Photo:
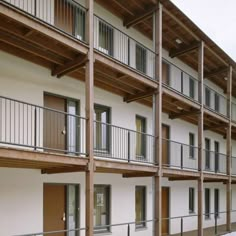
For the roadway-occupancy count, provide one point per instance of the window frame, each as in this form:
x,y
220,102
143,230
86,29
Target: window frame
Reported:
x,y
191,200
191,88
108,130
142,67
207,97
208,154
143,149
108,47
192,146
207,202
217,102
108,202
144,206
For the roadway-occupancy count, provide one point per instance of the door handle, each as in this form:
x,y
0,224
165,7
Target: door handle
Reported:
x,y
64,217
63,131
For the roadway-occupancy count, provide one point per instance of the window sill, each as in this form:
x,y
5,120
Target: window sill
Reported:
x,y
140,228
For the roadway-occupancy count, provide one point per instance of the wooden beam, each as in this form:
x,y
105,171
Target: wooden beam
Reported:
x,y
57,170
214,127
200,136
214,180
229,150
70,66
157,110
138,96
139,18
184,49
34,49
184,114
89,105
215,72
186,178
135,175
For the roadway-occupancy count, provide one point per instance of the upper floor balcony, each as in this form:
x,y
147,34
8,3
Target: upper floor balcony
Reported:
x,y
69,17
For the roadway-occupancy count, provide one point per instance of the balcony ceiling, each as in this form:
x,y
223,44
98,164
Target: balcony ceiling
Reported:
x,y
176,25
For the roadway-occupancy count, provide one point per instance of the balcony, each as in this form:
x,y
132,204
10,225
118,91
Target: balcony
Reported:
x,y
214,101
214,162
42,129
179,156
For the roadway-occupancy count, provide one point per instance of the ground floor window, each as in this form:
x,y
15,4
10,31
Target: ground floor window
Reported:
x,y
207,203
191,200
101,207
140,206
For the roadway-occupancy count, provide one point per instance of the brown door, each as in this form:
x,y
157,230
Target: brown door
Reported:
x,y
165,145
54,123
165,211
64,15
54,208
165,73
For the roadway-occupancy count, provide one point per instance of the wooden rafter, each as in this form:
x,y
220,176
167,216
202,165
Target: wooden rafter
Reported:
x,y
216,72
139,18
70,66
214,127
184,114
138,96
184,49
183,178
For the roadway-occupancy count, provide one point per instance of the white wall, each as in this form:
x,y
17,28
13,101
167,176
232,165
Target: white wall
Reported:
x,y
21,200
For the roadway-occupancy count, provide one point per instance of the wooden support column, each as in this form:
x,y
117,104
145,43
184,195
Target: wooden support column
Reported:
x,y
158,118
200,137
229,149
89,81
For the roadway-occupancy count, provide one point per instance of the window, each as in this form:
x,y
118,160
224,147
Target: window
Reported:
x,y
80,23
207,203
217,201
207,97
191,144
140,206
102,128
141,58
101,207
217,163
191,200
191,88
140,137
207,153
106,38
217,102
72,209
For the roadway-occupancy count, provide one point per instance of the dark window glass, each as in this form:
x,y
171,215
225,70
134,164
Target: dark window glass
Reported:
x,y
191,144
106,38
191,88
141,58
217,163
217,102
207,153
207,97
191,200
140,206
207,203
80,23
216,204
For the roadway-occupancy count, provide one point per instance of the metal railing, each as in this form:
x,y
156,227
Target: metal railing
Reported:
x,y
114,142
233,112
121,47
179,155
39,128
124,229
214,162
67,16
215,101
233,164
180,81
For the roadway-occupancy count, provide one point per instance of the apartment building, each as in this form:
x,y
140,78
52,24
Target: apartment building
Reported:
x,y
116,118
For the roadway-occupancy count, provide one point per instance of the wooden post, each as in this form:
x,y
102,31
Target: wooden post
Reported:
x,y
158,117
200,137
229,149
89,81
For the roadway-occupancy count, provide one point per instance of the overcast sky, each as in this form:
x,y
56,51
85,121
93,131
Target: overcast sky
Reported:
x,y
217,18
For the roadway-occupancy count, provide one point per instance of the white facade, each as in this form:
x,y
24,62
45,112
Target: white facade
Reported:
x,y
21,198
